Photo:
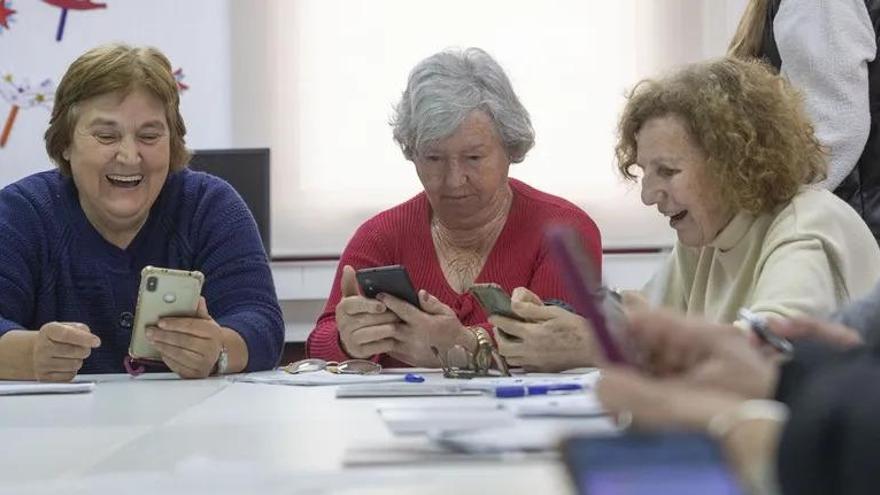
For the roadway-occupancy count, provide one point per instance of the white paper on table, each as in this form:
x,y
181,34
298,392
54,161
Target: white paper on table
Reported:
x,y
412,450
523,436
39,388
428,389
323,377
581,405
411,421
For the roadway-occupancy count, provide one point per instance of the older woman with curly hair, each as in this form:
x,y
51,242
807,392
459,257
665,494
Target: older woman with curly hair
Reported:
x,y
725,150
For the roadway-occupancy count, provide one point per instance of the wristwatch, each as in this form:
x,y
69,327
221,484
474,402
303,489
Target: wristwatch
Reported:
x,y
222,360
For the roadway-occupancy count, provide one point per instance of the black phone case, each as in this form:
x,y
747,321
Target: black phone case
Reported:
x,y
391,279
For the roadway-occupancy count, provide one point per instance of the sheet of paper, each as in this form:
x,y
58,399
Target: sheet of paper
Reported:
x,y
411,450
39,388
522,436
412,421
405,390
581,405
316,378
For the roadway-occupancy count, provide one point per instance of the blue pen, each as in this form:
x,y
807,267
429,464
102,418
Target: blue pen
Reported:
x,y
413,378
510,391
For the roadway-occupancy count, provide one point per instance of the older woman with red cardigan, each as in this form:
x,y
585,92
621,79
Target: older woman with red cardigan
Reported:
x,y
462,125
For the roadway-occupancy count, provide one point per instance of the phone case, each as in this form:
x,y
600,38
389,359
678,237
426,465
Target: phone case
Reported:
x,y
493,299
163,292
392,279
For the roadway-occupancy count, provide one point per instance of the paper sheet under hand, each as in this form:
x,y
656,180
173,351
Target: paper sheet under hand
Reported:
x,y
39,388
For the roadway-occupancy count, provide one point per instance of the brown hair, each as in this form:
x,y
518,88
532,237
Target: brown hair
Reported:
x,y
750,123
749,36
108,69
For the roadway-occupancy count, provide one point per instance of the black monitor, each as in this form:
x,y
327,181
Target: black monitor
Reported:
x,y
247,170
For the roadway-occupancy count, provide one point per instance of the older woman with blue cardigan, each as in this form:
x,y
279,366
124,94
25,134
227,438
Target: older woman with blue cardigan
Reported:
x,y
76,238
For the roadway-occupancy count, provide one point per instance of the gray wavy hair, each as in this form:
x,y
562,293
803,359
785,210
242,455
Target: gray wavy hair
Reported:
x,y
445,88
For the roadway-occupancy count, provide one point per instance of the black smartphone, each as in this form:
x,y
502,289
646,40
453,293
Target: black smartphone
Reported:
x,y
645,463
391,279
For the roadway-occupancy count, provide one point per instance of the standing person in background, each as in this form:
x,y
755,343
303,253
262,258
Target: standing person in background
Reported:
x,y
829,51
462,125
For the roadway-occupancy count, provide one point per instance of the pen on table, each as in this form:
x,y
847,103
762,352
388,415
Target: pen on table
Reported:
x,y
759,327
413,378
510,391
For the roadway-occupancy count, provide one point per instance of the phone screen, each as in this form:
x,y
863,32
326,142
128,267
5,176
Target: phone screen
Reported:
x,y
656,464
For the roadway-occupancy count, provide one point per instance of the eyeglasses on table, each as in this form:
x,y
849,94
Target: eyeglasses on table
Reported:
x,y
348,367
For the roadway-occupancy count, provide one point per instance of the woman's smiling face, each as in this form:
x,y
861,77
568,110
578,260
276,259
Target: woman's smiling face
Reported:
x,y
119,158
675,178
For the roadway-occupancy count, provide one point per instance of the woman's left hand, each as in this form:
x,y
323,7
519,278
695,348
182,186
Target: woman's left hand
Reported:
x,y
548,338
436,324
189,346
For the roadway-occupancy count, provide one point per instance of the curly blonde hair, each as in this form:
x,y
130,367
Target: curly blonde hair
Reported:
x,y
750,123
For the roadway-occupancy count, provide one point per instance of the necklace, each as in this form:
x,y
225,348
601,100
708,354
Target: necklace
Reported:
x,y
462,259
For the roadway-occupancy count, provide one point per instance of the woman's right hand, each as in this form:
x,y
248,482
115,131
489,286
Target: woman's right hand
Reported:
x,y
60,350
366,326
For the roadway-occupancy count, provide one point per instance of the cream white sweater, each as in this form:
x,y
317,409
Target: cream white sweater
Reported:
x,y
810,256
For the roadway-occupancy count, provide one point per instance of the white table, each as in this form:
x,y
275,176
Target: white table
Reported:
x,y
167,436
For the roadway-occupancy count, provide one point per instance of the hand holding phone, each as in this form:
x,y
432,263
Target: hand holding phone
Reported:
x,y
494,300
575,267
366,327
391,279
163,292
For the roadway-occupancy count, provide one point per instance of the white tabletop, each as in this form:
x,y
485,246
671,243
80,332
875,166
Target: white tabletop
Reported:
x,y
155,435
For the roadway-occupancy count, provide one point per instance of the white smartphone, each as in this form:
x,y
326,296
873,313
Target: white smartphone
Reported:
x,y
163,292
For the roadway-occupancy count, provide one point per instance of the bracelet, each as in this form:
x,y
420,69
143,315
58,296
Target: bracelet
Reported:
x,y
483,354
756,409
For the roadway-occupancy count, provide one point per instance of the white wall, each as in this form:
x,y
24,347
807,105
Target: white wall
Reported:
x,y
194,34
324,74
